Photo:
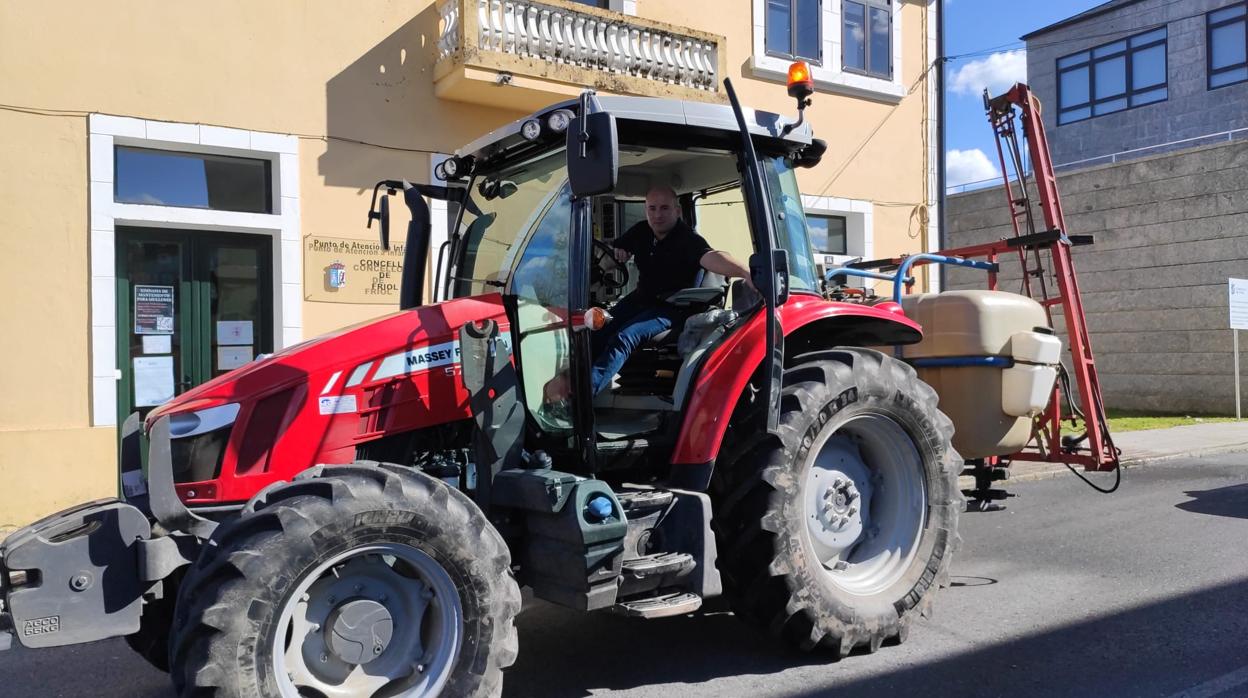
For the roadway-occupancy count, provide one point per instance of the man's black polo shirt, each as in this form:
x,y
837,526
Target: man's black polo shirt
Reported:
x,y
666,265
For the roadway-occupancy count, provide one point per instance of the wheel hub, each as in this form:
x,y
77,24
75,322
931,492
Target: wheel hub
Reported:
x,y
385,619
840,503
360,630
838,485
865,500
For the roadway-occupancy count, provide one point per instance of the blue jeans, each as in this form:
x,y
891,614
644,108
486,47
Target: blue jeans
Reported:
x,y
633,321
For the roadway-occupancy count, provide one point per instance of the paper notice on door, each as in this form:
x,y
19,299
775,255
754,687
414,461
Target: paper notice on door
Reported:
x,y
230,358
153,309
234,332
153,380
157,344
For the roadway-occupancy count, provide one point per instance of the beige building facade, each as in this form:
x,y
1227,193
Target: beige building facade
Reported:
x,y
183,186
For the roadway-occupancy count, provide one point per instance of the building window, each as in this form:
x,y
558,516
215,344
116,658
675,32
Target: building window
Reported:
x,y
793,29
1115,76
1228,45
192,180
827,234
867,37
604,4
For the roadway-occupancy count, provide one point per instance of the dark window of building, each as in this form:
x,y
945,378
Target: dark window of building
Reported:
x,y
1111,77
867,37
827,233
604,4
793,29
1228,45
194,180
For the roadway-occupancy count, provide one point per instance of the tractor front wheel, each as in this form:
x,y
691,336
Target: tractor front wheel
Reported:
x,y
358,580
840,531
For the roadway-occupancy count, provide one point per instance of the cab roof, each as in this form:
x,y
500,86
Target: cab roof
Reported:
x,y
658,112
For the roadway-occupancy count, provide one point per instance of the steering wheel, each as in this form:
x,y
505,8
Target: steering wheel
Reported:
x,y
611,278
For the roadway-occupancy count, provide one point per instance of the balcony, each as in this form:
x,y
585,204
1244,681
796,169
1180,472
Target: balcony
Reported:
x,y
521,55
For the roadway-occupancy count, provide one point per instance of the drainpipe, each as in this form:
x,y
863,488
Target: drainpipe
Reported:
x,y
941,236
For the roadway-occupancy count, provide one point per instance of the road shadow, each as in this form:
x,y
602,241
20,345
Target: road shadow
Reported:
x,y
1230,501
569,654
1158,649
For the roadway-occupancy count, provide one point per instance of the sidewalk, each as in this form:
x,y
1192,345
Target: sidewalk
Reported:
x,y
1139,447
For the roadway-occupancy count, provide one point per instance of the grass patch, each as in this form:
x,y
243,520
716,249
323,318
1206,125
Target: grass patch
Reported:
x,y
1130,420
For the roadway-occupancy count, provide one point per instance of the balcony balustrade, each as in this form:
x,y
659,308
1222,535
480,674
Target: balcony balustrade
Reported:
x,y
544,51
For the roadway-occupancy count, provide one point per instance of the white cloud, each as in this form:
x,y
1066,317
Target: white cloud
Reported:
x,y
997,72
968,166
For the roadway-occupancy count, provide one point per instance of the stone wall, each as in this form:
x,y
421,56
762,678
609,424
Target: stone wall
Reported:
x,y
1169,230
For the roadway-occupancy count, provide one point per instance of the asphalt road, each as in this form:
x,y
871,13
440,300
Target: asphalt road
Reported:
x,y
1066,593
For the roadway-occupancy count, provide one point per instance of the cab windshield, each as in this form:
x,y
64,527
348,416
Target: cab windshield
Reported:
x,y
503,206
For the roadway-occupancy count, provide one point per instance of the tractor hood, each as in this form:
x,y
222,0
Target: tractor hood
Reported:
x,y
343,351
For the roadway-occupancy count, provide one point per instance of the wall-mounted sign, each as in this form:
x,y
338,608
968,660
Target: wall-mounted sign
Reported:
x,y
153,309
342,270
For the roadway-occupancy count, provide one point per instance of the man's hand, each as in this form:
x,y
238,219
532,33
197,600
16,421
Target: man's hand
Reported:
x,y
621,255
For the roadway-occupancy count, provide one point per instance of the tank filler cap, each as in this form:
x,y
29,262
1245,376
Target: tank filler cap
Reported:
x,y
600,508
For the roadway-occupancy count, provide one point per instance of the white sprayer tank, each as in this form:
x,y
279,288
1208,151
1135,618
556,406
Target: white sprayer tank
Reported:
x,y
992,407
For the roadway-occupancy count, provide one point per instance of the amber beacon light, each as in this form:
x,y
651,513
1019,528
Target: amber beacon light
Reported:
x,y
801,84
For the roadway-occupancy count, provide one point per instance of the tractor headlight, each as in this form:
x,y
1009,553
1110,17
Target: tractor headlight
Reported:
x,y
188,424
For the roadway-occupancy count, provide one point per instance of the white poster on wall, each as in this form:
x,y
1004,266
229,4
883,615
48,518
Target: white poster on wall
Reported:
x,y
153,380
234,332
230,358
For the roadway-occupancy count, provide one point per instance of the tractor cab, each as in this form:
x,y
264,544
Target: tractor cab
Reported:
x,y
536,222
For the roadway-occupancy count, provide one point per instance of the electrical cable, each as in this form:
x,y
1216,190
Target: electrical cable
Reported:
x,y
42,111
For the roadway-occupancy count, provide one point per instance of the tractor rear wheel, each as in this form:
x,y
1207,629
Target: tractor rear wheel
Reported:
x,y
356,580
839,532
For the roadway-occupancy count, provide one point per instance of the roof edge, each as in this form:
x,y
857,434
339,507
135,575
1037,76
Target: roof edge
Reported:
x,y
1097,11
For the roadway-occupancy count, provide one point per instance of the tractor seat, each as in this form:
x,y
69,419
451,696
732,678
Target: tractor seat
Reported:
x,y
652,369
710,291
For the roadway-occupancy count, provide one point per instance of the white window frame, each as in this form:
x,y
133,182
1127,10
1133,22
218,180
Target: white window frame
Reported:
x,y
628,7
859,226
830,76
105,134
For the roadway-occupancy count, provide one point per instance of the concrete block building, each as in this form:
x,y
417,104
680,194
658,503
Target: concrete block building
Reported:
x,y
1146,110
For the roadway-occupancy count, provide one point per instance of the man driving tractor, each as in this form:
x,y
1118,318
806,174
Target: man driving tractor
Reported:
x,y
669,255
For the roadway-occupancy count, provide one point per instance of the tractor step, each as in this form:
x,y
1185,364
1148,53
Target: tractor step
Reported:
x,y
641,500
650,572
673,604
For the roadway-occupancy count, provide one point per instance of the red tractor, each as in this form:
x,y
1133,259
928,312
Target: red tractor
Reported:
x,y
356,515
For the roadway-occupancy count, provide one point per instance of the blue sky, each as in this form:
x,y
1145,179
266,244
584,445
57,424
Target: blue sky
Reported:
x,y
988,30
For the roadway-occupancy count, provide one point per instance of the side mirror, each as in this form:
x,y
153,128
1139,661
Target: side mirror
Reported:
x,y
779,262
384,217
593,154
383,214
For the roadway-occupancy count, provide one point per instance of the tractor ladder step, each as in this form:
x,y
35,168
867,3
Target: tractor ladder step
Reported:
x,y
661,606
650,572
640,500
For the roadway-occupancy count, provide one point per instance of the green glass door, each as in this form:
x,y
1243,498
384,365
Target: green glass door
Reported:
x,y
190,306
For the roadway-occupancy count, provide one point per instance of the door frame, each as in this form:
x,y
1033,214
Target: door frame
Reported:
x,y
282,226
191,303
